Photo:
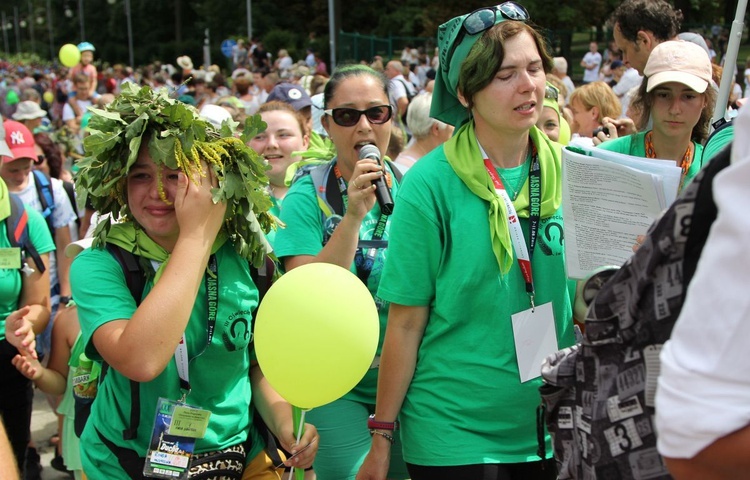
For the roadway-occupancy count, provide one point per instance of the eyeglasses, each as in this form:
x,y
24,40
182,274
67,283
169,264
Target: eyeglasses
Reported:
x,y
39,159
485,18
348,117
551,92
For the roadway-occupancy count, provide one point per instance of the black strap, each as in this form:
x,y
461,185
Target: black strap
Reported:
x,y
333,192
128,459
70,190
135,278
364,258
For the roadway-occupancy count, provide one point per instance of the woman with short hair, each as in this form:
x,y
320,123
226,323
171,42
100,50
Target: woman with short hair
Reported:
x,y
459,370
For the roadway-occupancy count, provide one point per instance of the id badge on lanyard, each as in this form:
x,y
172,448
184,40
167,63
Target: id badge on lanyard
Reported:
x,y
534,331
178,425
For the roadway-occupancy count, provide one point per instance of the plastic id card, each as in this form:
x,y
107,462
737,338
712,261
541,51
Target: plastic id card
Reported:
x,y
10,258
176,427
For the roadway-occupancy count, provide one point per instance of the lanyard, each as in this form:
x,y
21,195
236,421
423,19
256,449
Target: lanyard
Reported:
x,y
363,261
687,158
212,305
523,254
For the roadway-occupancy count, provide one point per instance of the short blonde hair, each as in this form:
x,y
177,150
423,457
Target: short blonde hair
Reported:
x,y
600,95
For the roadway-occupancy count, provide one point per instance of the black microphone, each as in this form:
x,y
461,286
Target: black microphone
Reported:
x,y
381,187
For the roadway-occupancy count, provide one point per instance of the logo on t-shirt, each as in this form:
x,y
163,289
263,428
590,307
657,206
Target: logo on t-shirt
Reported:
x,y
551,236
237,334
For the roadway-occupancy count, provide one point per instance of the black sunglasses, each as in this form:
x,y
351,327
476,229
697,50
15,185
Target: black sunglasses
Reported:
x,y
484,18
39,159
348,117
551,92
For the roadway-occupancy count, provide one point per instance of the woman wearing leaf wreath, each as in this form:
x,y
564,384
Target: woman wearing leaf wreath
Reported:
x,y
357,113
471,297
192,205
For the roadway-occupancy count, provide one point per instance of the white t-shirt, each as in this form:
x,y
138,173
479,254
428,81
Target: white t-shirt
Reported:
x,y
62,216
629,79
747,82
704,387
397,89
568,82
69,114
593,74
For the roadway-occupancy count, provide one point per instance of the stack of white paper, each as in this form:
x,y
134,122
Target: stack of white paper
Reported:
x,y
608,200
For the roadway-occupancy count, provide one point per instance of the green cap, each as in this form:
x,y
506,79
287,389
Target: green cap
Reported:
x,y
445,104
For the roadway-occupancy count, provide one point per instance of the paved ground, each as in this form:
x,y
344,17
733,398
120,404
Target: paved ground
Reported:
x,y
43,426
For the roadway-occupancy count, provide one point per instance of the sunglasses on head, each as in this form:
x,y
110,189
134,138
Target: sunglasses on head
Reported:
x,y
551,92
348,117
485,18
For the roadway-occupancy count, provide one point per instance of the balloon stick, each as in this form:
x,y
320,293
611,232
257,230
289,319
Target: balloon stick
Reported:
x,y
298,417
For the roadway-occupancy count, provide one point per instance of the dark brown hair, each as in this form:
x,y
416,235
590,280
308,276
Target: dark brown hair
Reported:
x,y
486,57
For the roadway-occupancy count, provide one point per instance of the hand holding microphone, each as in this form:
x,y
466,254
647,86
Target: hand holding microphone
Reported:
x,y
382,193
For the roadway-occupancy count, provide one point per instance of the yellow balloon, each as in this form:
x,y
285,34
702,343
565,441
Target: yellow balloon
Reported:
x,y
316,334
69,55
48,97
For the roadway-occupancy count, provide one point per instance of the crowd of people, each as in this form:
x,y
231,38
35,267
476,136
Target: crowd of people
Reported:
x,y
149,265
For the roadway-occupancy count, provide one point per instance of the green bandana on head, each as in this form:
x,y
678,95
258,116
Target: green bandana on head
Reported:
x,y
463,154
445,104
177,139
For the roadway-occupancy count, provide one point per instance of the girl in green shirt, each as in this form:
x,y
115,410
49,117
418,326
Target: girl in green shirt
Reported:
x,y
677,95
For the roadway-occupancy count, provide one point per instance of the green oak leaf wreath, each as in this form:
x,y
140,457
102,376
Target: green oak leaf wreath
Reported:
x,y
177,139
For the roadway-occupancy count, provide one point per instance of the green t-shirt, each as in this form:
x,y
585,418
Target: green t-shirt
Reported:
x,y
636,145
10,278
275,210
717,142
465,403
219,376
303,235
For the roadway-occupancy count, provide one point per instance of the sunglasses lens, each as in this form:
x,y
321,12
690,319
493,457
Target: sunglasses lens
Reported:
x,y
346,117
479,21
379,114
513,11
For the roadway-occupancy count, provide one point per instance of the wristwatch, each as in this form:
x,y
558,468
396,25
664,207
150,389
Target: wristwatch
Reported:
x,y
64,300
373,424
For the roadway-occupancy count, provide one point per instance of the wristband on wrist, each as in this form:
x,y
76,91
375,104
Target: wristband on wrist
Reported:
x,y
385,435
373,424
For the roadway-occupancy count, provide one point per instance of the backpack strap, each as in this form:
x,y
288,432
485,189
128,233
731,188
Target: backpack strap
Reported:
x,y
46,197
263,277
70,191
321,178
17,226
329,196
135,277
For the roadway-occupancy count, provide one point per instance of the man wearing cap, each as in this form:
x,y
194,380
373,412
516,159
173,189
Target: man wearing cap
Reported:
x,y
30,114
20,180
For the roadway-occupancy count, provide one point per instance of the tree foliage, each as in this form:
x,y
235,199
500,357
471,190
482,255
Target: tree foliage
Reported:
x,y
165,29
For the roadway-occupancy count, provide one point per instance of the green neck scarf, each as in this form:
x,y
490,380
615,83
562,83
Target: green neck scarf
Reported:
x,y
135,240
462,152
4,201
